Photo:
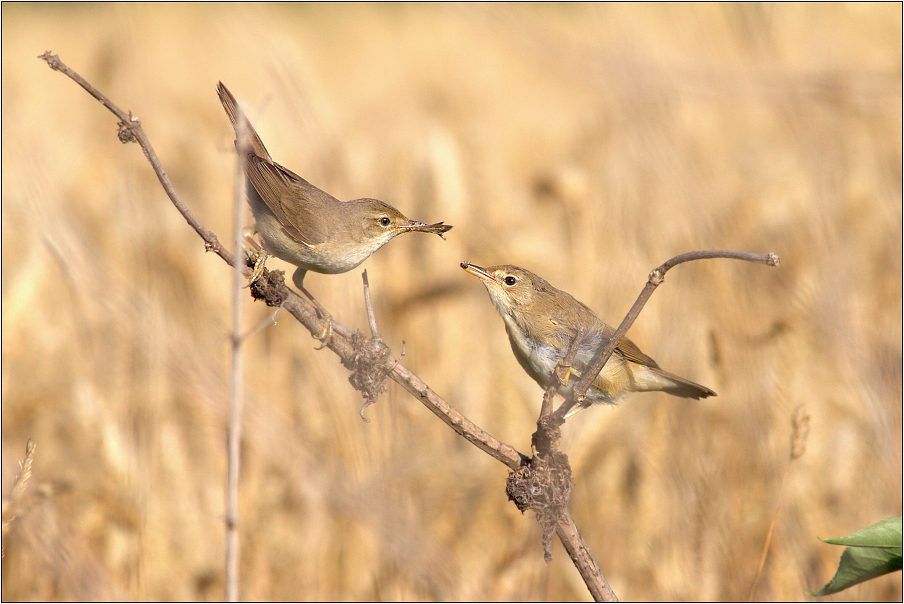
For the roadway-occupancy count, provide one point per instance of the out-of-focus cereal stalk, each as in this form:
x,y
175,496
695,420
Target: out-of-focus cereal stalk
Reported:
x,y
800,428
14,505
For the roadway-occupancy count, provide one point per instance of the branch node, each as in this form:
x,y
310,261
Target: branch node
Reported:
x,y
398,360
547,436
773,259
126,132
657,276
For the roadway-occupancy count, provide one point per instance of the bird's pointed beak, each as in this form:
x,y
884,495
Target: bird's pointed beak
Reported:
x,y
437,228
478,271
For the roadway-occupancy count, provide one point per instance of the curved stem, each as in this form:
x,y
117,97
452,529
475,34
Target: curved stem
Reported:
x,y
657,276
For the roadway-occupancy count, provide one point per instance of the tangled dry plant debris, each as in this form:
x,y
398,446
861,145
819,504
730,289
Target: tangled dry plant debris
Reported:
x,y
368,367
269,287
544,486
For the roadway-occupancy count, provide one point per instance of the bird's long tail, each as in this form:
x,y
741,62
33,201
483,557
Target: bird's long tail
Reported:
x,y
651,379
246,138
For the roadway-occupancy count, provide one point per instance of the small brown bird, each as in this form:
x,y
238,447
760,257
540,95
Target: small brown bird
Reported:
x,y
541,322
305,226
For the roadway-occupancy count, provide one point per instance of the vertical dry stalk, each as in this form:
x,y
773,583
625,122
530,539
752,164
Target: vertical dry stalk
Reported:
x,y
234,437
800,428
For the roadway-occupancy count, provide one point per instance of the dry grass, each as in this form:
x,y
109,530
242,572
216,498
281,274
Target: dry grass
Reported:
x,y
571,140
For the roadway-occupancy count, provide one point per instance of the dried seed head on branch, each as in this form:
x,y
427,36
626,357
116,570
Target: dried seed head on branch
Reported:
x,y
368,367
544,487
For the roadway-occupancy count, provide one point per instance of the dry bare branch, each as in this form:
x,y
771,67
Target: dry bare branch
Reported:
x,y
234,429
348,346
130,131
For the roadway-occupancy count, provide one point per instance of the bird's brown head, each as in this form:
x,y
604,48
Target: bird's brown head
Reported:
x,y
513,290
381,222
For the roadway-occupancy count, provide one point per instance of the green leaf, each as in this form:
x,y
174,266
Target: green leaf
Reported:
x,y
885,533
871,552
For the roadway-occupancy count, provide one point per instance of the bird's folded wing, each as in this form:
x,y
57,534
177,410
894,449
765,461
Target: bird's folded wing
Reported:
x,y
299,205
629,349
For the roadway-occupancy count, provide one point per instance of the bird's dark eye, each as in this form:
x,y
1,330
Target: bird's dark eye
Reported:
x,y
510,280
385,221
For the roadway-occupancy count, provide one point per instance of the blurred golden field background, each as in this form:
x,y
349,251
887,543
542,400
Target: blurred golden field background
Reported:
x,y
587,143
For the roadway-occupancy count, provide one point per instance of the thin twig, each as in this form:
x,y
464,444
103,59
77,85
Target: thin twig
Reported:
x,y
341,344
465,428
548,432
656,278
130,131
371,319
265,321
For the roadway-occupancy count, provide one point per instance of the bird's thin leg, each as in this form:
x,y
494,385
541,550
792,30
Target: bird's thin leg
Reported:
x,y
327,333
568,371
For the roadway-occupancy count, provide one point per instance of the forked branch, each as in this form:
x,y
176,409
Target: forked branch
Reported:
x,y
657,276
342,343
272,288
